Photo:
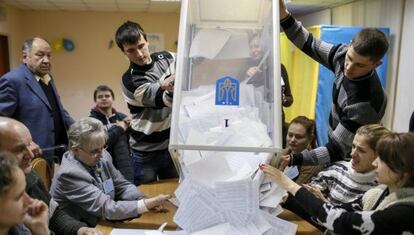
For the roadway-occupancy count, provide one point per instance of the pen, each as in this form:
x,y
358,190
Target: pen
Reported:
x,y
161,228
61,146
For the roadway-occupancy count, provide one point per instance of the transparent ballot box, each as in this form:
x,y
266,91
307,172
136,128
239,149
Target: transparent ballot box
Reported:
x,y
227,95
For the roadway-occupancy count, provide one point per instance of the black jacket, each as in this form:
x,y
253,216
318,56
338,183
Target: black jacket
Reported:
x,y
60,222
118,142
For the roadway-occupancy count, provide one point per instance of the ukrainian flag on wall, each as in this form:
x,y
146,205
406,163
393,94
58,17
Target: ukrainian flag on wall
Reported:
x,y
311,83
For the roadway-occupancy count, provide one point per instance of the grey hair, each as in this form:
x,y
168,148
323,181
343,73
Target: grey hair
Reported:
x,y
27,45
86,129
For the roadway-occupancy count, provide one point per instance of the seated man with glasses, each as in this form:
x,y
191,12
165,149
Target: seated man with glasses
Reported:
x,y
89,187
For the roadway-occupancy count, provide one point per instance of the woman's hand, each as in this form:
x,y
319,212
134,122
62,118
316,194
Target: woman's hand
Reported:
x,y
280,178
251,71
156,203
284,162
314,189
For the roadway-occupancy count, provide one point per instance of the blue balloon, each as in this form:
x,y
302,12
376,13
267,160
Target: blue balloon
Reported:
x,y
68,45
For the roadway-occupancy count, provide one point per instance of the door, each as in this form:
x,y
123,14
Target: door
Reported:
x,y
4,55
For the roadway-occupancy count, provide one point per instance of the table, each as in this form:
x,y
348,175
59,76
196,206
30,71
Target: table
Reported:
x,y
154,220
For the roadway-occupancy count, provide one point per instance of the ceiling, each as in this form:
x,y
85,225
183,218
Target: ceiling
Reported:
x,y
297,7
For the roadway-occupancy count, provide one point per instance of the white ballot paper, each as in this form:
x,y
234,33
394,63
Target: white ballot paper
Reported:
x,y
119,231
224,192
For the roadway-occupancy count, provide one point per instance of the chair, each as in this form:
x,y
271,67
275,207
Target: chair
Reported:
x,y
42,169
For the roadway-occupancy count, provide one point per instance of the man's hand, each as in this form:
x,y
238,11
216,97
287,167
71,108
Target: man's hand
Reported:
x,y
156,203
89,231
282,9
127,120
168,83
284,162
122,124
37,218
37,152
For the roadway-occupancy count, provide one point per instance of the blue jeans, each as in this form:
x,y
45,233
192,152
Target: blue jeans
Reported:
x,y
150,166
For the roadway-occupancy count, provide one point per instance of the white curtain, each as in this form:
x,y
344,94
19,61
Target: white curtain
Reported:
x,y
404,96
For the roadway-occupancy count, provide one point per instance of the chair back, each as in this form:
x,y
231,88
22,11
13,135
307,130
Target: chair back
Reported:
x,y
42,169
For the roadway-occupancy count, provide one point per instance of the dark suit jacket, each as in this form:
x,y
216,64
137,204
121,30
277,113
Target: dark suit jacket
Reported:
x,y
22,98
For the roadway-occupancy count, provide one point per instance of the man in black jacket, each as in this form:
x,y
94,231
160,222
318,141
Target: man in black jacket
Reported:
x,y
116,123
16,138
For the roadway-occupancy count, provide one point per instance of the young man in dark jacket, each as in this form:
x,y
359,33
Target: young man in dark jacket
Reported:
x,y
116,124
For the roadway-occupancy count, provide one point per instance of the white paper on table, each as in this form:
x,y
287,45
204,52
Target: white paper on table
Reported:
x,y
198,212
186,188
241,195
261,223
118,231
245,229
273,197
221,229
272,211
208,43
279,226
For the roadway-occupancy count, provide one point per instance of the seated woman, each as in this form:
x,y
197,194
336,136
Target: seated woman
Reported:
x,y
345,181
300,136
19,214
388,209
89,187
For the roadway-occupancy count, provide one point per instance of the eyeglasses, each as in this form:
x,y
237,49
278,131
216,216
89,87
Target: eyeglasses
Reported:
x,y
94,152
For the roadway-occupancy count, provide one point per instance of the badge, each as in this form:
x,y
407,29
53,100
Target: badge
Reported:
x,y
108,186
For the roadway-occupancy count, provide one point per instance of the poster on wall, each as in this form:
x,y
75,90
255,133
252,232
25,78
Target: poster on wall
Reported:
x,y
156,42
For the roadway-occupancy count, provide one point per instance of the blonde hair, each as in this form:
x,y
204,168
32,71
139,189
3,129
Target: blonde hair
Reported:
x,y
372,133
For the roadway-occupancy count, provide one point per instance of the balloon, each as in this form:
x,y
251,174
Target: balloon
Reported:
x,y
68,44
58,44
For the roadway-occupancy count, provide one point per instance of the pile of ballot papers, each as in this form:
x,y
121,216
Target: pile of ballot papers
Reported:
x,y
224,192
239,204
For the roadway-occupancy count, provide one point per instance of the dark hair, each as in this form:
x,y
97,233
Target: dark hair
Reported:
x,y
103,88
397,151
129,33
370,42
309,126
8,165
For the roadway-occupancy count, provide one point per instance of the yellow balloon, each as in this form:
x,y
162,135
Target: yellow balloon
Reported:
x,y
58,44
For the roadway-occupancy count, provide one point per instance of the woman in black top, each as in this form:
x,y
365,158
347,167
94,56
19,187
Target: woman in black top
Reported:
x,y
386,209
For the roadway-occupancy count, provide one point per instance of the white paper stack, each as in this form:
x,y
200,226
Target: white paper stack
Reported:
x,y
225,192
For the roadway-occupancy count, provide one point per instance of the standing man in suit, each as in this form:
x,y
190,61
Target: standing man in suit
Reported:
x,y
28,94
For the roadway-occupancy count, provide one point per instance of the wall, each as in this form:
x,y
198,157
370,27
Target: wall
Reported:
x,y
316,18
404,95
11,27
92,63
